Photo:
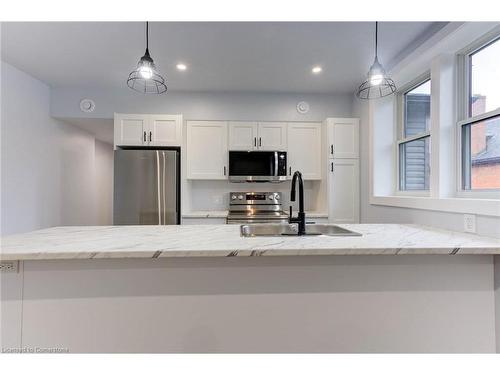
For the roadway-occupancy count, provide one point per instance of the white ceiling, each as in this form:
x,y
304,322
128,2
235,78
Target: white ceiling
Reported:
x,y
260,57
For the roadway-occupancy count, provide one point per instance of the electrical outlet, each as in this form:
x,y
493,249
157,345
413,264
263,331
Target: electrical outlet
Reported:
x,y
470,223
9,266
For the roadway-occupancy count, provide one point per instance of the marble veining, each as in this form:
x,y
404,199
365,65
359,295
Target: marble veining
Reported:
x,y
225,241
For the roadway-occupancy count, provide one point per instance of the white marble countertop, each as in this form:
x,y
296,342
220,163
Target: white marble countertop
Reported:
x,y
225,240
223,214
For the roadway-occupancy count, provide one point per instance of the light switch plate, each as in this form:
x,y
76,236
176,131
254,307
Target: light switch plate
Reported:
x,y
470,223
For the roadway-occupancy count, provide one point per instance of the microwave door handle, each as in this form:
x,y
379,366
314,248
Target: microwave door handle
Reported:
x,y
276,163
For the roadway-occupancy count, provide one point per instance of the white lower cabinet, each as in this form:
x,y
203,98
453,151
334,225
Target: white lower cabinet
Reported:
x,y
207,150
343,186
304,149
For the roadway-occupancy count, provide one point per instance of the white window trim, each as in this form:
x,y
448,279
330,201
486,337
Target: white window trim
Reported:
x,y
420,61
400,137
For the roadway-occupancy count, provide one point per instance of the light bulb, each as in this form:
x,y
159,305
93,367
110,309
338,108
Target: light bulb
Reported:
x,y
316,69
146,72
376,79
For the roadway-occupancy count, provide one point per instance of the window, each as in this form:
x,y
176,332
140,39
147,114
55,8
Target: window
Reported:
x,y
481,154
484,78
414,145
480,131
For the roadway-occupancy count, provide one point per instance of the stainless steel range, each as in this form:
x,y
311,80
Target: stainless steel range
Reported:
x,y
254,207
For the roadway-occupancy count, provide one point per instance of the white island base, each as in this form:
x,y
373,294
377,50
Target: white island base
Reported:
x,y
296,303
412,303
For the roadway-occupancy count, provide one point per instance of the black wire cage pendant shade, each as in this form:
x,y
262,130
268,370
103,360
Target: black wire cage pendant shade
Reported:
x,y
145,77
378,84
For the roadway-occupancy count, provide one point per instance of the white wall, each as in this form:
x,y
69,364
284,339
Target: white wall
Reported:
x,y
200,105
485,225
48,167
104,182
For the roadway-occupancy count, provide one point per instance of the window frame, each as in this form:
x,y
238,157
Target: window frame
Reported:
x,y
400,134
464,86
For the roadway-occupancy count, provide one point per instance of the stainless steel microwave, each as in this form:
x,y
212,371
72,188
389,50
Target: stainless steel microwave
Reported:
x,y
257,166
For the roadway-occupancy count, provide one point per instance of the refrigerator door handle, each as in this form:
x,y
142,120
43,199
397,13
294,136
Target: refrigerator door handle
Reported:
x,y
158,185
164,189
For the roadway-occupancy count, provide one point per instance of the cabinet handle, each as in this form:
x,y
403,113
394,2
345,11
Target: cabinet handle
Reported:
x,y
224,170
144,137
290,171
150,136
331,149
255,141
331,166
260,141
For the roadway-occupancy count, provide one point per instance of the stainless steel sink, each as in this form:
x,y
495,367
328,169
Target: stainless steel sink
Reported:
x,y
277,230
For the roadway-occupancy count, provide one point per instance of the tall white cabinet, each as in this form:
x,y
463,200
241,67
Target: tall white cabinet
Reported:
x,y
343,170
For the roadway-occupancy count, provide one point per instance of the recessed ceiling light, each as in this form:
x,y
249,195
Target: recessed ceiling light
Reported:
x,y
181,66
317,69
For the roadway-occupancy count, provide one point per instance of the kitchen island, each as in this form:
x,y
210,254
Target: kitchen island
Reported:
x,y
206,289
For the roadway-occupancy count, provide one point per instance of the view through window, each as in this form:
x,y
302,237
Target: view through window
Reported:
x,y
481,139
414,149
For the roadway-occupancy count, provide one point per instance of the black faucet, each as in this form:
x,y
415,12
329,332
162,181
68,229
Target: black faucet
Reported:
x,y
301,216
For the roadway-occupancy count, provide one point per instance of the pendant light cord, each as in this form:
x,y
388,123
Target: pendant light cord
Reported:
x,y
147,35
376,38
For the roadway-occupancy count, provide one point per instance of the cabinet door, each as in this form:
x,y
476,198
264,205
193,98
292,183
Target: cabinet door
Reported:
x,y
130,130
343,186
165,130
242,135
343,138
304,149
272,136
207,150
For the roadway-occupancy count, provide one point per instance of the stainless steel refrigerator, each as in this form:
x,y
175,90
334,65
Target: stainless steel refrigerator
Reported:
x,y
146,187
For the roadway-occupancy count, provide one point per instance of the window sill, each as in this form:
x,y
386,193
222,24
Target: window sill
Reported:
x,y
486,207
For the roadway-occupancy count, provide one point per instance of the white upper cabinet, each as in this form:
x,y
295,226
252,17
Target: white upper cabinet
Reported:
x,y
243,135
131,130
147,130
272,136
252,136
304,149
165,130
343,186
343,138
207,150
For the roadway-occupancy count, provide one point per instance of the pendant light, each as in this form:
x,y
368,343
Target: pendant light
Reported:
x,y
145,78
378,84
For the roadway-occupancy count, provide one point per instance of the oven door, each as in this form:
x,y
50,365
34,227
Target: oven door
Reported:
x,y
264,166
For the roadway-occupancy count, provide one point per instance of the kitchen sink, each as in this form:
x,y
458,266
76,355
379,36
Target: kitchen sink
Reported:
x,y
277,230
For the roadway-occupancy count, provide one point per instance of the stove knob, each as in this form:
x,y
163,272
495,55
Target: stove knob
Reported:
x,y
277,196
271,197
240,197
233,197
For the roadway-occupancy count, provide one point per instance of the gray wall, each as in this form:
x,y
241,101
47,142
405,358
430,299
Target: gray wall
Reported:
x,y
49,174
200,106
262,304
